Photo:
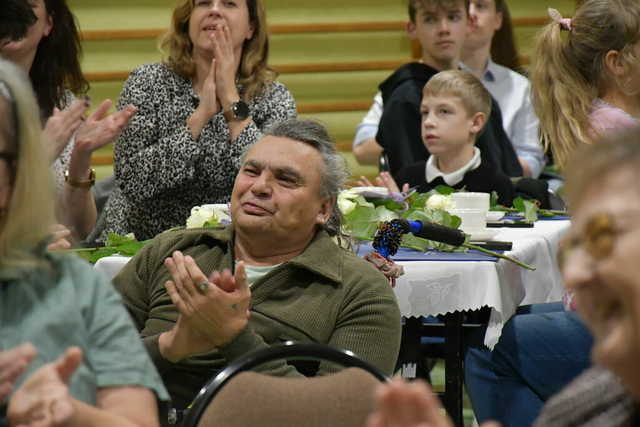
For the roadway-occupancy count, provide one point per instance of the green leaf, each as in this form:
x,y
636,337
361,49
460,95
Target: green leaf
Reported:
x,y
384,214
546,213
413,242
445,190
94,256
527,208
362,222
493,201
387,203
530,211
130,248
114,239
518,204
416,201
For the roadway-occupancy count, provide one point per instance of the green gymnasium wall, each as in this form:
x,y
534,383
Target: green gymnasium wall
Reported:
x,y
332,74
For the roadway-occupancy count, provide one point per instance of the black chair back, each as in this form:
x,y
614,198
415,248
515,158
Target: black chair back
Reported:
x,y
288,350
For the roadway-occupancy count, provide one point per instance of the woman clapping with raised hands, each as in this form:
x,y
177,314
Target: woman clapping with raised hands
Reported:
x,y
198,111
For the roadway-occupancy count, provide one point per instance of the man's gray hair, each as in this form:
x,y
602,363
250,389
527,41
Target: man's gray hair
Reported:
x,y
335,172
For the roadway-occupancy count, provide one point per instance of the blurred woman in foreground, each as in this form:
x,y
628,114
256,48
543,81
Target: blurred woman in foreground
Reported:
x,y
89,367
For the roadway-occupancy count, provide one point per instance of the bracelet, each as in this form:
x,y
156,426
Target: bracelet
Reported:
x,y
81,184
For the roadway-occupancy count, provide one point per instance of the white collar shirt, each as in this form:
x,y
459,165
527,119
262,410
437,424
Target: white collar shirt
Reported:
x,y
455,177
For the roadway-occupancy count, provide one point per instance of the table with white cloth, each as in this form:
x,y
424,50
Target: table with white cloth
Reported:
x,y
451,285
432,286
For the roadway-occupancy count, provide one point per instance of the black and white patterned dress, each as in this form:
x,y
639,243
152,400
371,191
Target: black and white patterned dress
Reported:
x,y
161,171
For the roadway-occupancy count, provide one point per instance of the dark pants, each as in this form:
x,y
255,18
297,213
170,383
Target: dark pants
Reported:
x,y
541,349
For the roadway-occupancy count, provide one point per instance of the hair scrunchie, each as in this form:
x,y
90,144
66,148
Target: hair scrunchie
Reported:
x,y
565,23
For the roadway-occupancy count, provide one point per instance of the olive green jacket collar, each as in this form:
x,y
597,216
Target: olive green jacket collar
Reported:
x,y
322,247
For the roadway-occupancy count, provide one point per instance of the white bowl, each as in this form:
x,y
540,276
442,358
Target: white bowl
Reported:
x,y
472,219
471,200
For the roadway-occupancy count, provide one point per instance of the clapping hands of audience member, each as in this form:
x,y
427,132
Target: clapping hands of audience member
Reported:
x,y
384,179
13,362
63,124
43,399
59,239
101,128
92,133
213,310
402,404
219,89
226,66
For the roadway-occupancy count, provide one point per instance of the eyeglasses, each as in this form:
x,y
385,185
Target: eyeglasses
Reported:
x,y
597,238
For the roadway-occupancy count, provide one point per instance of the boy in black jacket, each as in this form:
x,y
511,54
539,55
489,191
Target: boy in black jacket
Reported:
x,y
441,27
453,112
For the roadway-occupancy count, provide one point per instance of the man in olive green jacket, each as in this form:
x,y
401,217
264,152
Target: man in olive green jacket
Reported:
x,y
290,280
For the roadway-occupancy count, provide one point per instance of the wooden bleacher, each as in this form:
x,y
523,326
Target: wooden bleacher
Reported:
x,y
331,54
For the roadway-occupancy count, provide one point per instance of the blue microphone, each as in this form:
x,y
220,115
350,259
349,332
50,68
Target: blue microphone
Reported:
x,y
389,234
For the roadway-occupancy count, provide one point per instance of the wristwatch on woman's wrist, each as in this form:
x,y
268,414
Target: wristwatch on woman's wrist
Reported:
x,y
238,111
78,183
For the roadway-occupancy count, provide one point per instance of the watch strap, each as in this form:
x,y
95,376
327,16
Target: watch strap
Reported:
x,y
88,183
237,111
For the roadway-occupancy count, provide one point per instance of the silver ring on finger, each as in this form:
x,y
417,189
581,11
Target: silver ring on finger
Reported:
x,y
203,287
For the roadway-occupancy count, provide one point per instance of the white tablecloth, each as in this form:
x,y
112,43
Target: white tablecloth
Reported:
x,y
439,287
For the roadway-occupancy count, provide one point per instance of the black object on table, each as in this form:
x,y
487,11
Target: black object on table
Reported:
x,y
509,224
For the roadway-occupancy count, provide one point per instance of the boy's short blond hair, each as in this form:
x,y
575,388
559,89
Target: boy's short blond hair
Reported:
x,y
474,96
415,5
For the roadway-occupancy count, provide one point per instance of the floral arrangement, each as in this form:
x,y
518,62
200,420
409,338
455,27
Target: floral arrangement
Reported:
x,y
363,211
201,216
208,216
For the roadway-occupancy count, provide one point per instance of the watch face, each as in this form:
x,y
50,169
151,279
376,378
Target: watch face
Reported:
x,y
240,110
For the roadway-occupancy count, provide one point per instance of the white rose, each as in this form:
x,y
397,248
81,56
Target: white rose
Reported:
x,y
198,217
346,206
346,201
440,201
207,213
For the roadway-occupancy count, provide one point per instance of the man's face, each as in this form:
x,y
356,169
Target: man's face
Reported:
x,y
277,191
441,32
447,126
484,22
600,256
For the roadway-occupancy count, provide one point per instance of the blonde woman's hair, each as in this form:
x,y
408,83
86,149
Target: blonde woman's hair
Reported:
x,y
254,73
27,220
568,70
461,84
